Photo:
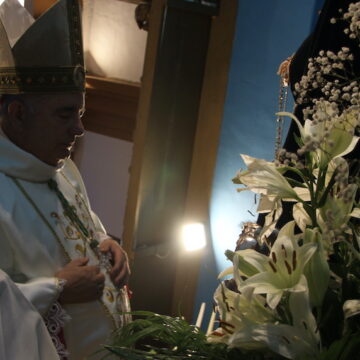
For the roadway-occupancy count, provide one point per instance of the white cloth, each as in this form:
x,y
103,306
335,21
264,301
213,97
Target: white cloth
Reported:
x,y
34,246
23,335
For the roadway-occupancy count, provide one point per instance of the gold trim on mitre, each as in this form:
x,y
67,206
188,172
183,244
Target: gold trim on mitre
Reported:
x,y
48,57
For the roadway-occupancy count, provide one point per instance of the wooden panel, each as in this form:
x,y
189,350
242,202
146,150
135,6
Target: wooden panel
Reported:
x,y
165,279
166,160
149,272
205,149
172,119
156,14
111,107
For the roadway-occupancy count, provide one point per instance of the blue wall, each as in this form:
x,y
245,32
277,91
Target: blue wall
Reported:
x,y
267,32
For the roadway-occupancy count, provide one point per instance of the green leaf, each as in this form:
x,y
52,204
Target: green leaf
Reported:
x,y
321,180
230,255
236,180
244,266
352,348
327,190
318,275
298,140
285,169
331,318
354,268
295,183
346,348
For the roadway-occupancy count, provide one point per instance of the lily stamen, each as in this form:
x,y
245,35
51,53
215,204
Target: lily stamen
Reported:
x,y
272,266
224,325
288,267
294,263
222,322
273,255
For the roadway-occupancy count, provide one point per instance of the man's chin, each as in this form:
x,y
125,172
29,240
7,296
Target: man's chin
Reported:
x,y
55,159
60,163
65,153
61,159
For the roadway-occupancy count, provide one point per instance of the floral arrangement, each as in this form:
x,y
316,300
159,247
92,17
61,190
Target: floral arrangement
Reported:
x,y
299,296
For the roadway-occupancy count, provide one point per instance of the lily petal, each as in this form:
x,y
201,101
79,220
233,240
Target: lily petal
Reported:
x,y
351,308
301,216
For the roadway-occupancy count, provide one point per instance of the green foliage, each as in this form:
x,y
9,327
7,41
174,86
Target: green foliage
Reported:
x,y
347,348
159,337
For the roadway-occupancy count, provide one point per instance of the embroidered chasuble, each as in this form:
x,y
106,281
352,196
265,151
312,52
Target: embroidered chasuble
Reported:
x,y
37,238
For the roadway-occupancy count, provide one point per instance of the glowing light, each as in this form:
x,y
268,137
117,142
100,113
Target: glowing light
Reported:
x,y
193,236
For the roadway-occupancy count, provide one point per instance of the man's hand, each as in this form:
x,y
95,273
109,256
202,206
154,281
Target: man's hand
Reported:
x,y
83,282
120,271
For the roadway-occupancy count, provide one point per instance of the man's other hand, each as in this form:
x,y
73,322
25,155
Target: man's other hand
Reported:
x,y
120,270
83,282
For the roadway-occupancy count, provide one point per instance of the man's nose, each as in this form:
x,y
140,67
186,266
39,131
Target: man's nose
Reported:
x,y
78,127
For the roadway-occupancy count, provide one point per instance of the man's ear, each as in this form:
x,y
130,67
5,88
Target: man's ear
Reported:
x,y
16,112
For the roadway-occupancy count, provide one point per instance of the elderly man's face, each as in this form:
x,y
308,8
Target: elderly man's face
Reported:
x,y
51,125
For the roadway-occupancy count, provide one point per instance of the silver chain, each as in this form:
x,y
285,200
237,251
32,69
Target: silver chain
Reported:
x,y
283,94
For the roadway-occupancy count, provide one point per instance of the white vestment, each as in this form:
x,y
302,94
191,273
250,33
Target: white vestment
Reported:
x,y
37,239
23,335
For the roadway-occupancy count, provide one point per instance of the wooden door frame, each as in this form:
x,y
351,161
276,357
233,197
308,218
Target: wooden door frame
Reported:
x,y
205,147
205,151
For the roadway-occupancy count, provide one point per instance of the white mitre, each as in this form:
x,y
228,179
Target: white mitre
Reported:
x,y
15,19
42,55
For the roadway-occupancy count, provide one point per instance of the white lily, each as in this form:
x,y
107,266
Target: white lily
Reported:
x,y
296,341
351,308
238,311
301,217
246,263
281,271
271,205
339,130
355,212
263,177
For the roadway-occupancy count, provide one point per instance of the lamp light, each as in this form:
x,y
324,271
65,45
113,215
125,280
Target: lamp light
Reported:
x,y
193,236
